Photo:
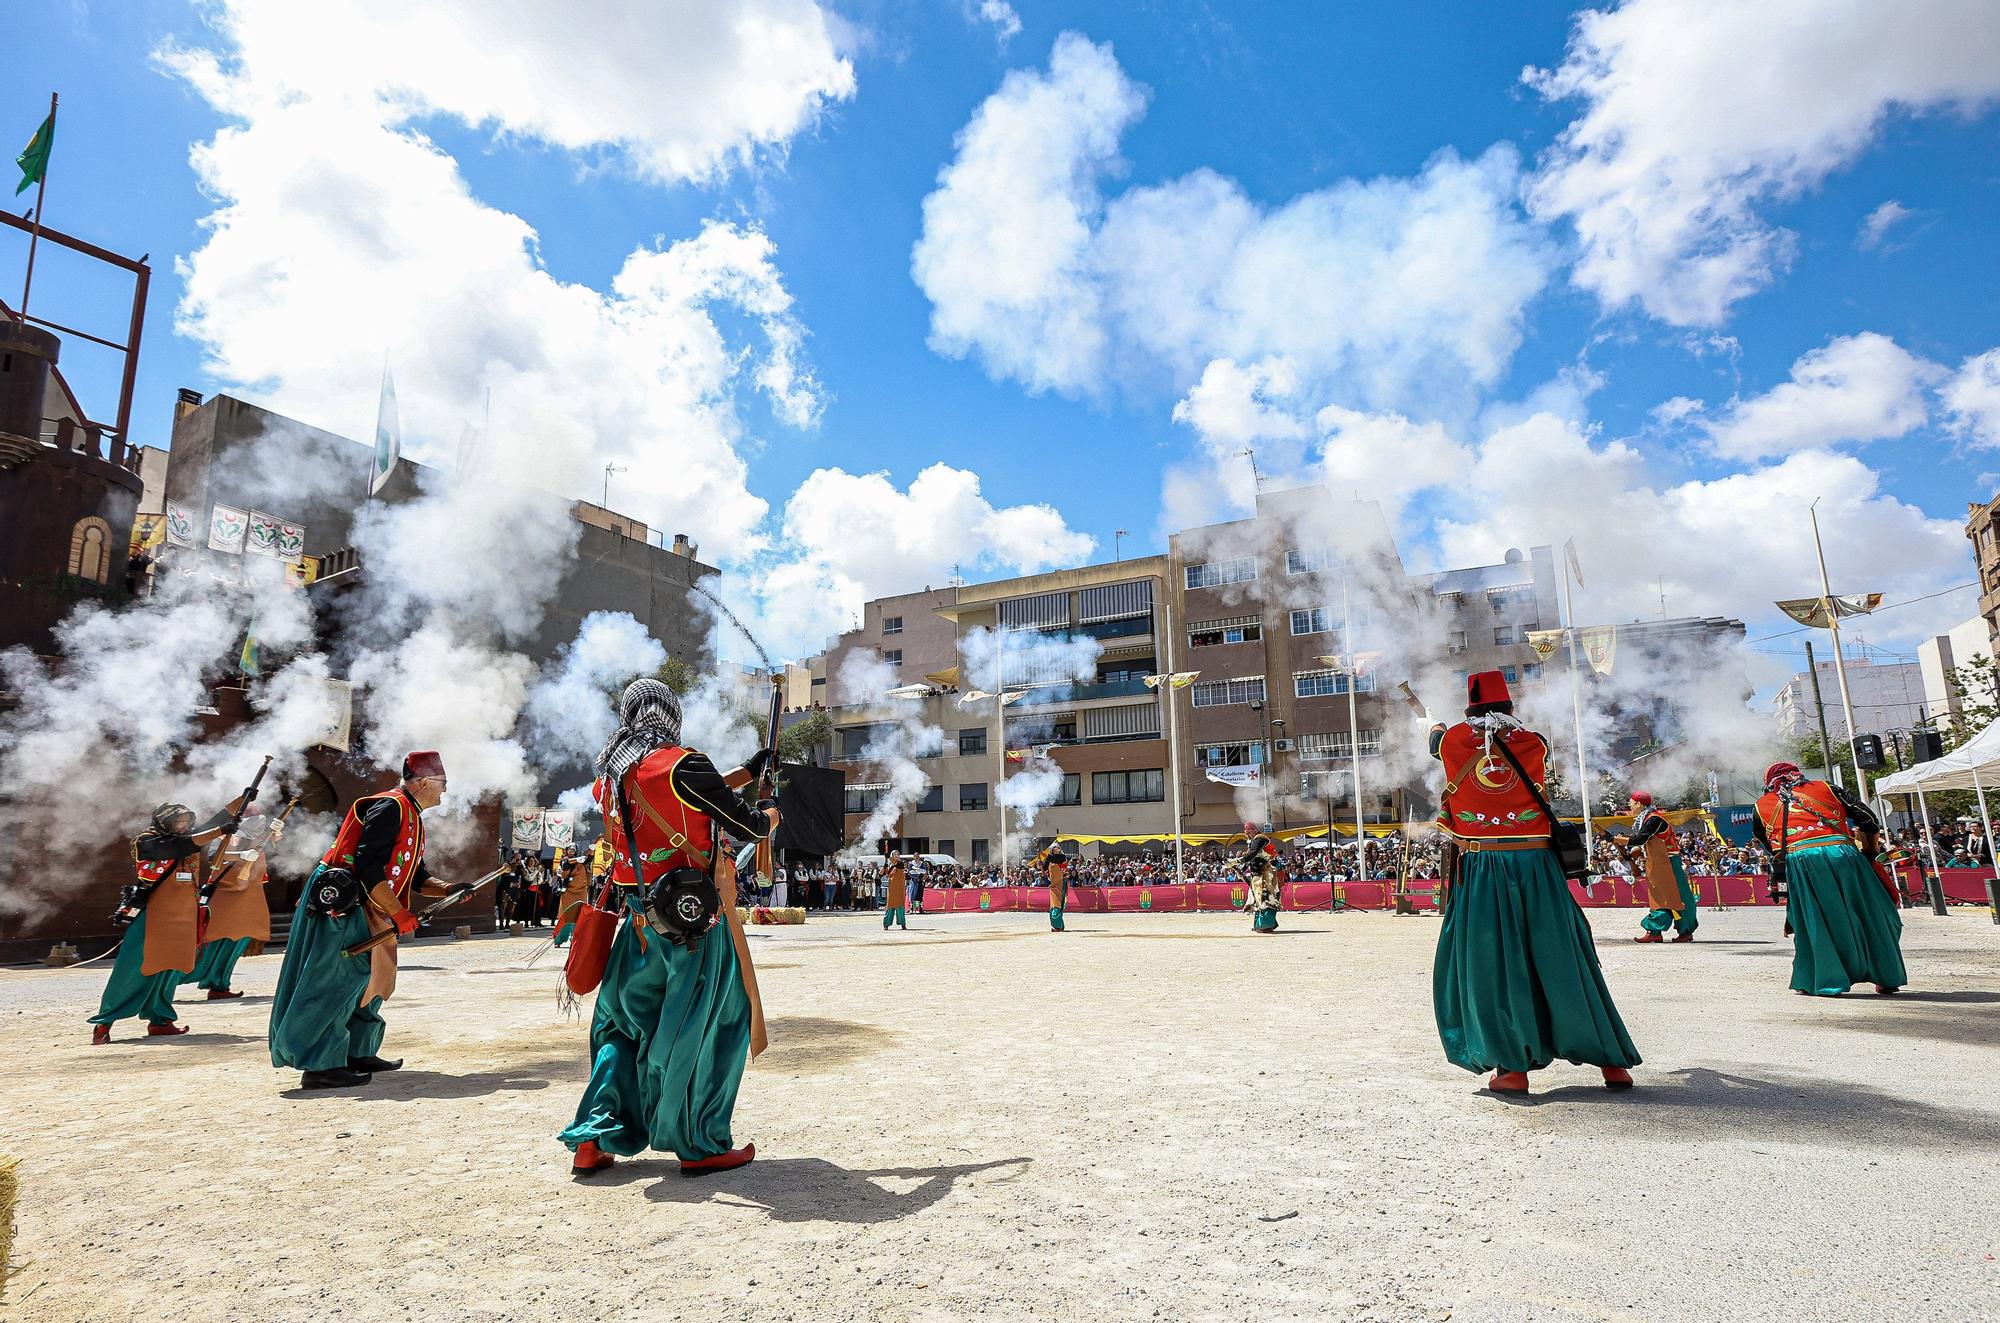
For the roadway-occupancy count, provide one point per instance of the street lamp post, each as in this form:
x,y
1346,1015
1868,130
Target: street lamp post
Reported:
x,y
1271,767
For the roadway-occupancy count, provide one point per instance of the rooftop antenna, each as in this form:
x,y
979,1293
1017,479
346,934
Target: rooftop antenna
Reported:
x,y
1256,478
1663,597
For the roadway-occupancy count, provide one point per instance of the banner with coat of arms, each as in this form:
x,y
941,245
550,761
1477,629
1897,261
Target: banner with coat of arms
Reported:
x,y
559,829
1598,643
227,529
527,828
271,536
181,529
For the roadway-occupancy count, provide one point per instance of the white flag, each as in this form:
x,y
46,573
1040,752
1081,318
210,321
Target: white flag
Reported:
x,y
1569,552
1237,776
388,435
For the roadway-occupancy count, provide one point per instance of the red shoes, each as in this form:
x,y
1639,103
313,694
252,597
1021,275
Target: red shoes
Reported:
x,y
1508,1081
1683,937
223,994
167,1030
590,1158
1617,1078
734,1158
1649,937
1886,991
99,1034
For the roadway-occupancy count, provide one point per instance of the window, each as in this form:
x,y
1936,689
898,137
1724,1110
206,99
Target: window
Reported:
x,y
979,849
1532,624
1072,790
90,549
1454,642
1309,560
1239,754
1510,599
1241,569
1148,787
1503,634
1315,748
972,797
1511,674
1316,621
1227,693
854,740
1452,600
948,846
972,743
1532,671
863,799
894,656
1340,744
1315,684
932,801
892,624
1214,633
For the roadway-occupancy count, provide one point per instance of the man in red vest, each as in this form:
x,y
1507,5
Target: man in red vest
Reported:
x,y
1515,983
326,1017
1845,929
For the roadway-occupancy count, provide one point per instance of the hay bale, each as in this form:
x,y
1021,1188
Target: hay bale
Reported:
x,y
10,1196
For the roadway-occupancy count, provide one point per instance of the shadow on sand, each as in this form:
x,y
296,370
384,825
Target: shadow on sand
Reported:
x,y
808,1189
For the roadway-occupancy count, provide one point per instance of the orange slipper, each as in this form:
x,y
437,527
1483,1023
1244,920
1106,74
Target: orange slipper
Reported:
x,y
100,1033
223,994
1886,990
734,1158
1508,1081
167,1030
1649,937
589,1158
1684,937
1617,1078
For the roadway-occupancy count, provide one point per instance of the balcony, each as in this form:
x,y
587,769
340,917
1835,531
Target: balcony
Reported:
x,y
1080,693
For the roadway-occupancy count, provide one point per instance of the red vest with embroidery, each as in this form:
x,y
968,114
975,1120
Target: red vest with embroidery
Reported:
x,y
403,860
1816,817
1484,799
672,833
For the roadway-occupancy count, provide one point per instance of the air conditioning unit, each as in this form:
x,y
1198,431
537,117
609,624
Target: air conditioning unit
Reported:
x,y
1282,746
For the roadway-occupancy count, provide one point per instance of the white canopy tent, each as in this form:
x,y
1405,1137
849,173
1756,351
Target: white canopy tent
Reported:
x,y
1973,765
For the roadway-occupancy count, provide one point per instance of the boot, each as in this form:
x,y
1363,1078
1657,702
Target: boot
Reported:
x,y
100,1033
223,994
1649,937
373,1065
590,1158
1617,1078
167,1030
337,1078
1508,1081
734,1158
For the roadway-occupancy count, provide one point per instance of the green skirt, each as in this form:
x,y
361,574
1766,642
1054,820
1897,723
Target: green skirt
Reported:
x,y
1845,929
128,993
215,964
1516,983
317,1021
668,1042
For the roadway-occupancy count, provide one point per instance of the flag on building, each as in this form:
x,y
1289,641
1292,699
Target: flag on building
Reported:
x,y
248,660
34,158
388,435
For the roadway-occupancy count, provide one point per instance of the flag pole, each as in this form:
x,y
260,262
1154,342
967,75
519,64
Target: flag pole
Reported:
x,y
1173,732
1353,733
35,233
1839,665
1576,706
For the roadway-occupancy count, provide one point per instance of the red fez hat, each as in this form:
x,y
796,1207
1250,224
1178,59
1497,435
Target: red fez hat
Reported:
x,y
1777,770
1641,797
1249,829
1483,687
424,762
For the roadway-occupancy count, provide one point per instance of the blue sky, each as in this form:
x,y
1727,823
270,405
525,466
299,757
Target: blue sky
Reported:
x,y
1283,101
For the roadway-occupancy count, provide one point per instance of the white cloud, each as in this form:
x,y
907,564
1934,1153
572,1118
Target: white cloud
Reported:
x,y
1858,388
1875,229
682,89
853,536
1393,292
1698,114
1006,23
338,235
1972,400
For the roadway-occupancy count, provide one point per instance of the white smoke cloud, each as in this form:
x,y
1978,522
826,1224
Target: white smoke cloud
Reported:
x,y
1397,292
899,737
1858,388
1698,116
1048,666
572,707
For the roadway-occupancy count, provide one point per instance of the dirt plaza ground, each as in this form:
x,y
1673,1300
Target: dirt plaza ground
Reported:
x,y
1149,1116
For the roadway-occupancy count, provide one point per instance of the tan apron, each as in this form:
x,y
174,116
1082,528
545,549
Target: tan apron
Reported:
x,y
381,961
1663,890
173,913
242,912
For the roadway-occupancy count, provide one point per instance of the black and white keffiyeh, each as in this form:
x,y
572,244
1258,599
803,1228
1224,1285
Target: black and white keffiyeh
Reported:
x,y
649,718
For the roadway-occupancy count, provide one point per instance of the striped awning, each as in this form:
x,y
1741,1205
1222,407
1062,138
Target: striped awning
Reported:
x,y
1115,601
1042,611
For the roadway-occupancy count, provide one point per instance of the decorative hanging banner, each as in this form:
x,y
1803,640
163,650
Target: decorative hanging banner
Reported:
x,y
559,829
181,530
1237,776
1544,641
227,528
1600,646
148,533
272,536
527,828
338,732
1821,612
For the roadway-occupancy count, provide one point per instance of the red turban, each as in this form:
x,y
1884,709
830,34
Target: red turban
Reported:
x,y
1778,770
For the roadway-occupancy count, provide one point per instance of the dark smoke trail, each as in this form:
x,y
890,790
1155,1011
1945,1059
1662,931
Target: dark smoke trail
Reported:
x,y
741,628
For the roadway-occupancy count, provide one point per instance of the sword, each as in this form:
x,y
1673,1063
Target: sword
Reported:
x,y
424,915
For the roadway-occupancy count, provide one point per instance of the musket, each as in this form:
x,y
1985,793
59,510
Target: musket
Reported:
x,y
206,892
424,915
767,797
226,873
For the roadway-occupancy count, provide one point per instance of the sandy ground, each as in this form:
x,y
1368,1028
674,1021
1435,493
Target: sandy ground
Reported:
x,y
1151,1116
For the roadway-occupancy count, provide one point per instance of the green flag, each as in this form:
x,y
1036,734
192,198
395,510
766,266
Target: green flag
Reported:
x,y
250,660
34,158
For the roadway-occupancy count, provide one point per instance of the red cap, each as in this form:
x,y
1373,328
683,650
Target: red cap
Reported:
x,y
1482,687
1641,797
422,763
1249,829
1776,770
